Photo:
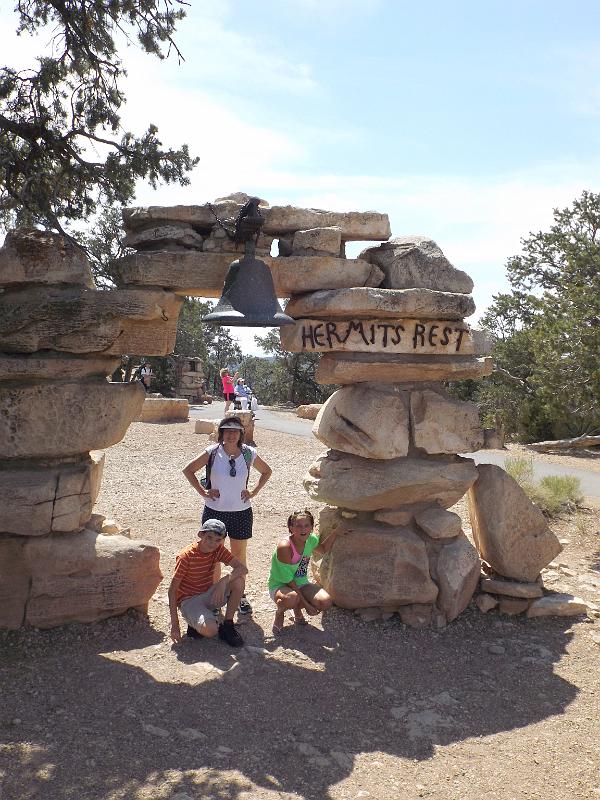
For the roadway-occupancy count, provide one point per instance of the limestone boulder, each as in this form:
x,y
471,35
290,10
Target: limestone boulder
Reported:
x,y
366,302
457,575
164,409
162,237
86,576
523,589
33,256
510,532
557,605
247,421
348,368
76,320
309,411
366,422
65,419
204,426
438,523
317,242
14,582
52,366
444,425
203,274
373,566
416,261
361,484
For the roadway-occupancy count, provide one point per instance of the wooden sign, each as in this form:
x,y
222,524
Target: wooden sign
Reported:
x,y
422,337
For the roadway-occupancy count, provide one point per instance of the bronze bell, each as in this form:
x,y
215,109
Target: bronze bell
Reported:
x,y
248,297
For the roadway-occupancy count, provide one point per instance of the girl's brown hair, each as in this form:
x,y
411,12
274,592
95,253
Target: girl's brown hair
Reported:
x,y
221,430
297,515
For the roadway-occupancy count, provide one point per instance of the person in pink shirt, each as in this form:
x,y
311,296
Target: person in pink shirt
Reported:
x,y
228,387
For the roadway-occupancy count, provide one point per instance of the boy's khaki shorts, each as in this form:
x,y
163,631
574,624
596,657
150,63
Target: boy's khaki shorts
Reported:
x,y
199,609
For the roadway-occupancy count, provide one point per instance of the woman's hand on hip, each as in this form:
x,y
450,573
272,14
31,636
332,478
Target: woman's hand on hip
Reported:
x,y
214,494
246,495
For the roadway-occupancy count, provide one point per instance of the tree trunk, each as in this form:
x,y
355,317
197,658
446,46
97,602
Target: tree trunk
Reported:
x,y
566,444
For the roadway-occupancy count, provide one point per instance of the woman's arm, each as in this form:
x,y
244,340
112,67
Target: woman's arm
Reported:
x,y
265,473
190,471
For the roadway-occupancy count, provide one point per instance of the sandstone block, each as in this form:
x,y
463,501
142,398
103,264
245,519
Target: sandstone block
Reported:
x,y
164,409
79,320
33,256
371,566
309,411
366,422
401,518
521,589
360,484
57,420
438,523
204,426
86,576
410,336
14,582
344,368
54,366
161,236
444,425
457,574
247,421
485,602
367,302
557,605
203,274
513,605
510,532
317,242
416,261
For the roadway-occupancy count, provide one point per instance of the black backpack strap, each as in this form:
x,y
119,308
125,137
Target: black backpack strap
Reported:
x,y
209,463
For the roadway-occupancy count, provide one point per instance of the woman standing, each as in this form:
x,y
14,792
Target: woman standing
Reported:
x,y
228,387
226,495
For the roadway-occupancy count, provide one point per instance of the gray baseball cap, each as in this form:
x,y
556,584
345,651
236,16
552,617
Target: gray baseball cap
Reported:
x,y
214,526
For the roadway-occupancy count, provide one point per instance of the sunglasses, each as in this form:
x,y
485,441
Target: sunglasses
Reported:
x,y
232,471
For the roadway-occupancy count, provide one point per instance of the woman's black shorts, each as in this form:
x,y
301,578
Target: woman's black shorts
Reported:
x,y
229,396
238,523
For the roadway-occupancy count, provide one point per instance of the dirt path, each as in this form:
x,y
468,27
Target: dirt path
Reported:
x,y
342,709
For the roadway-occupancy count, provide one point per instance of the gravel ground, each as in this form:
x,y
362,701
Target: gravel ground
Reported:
x,y
496,707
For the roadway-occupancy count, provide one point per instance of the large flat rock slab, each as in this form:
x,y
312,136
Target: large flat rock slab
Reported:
x,y
279,220
510,532
345,368
66,419
365,422
78,320
164,409
35,501
416,261
33,256
348,481
393,336
53,366
367,302
84,577
202,274
374,566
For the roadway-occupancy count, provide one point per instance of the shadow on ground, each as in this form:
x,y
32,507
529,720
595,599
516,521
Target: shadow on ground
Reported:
x,y
291,721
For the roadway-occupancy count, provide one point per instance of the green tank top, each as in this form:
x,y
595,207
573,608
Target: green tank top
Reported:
x,y
282,574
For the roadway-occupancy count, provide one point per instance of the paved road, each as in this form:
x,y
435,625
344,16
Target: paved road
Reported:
x,y
285,423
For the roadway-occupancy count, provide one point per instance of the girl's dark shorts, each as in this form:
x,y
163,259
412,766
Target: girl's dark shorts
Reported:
x,y
238,523
229,396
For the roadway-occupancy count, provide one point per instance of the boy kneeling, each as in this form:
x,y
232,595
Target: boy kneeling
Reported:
x,y
193,592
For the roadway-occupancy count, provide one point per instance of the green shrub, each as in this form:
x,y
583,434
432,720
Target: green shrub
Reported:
x,y
552,494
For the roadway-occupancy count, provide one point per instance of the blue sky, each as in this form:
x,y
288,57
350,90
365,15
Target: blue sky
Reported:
x,y
466,121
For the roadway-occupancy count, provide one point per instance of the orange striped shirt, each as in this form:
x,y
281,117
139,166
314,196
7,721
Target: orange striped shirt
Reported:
x,y
195,569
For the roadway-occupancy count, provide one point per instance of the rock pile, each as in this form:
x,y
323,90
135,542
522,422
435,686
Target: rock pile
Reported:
x,y
59,339
189,379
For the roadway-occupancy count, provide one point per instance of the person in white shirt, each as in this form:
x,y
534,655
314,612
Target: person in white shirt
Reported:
x,y
242,392
227,497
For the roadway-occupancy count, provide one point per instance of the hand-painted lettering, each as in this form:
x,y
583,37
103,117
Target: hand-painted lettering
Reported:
x,y
308,336
433,335
446,336
319,335
419,334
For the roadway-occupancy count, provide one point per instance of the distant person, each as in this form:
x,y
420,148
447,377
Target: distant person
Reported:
x,y
242,392
226,494
289,586
146,375
193,592
228,387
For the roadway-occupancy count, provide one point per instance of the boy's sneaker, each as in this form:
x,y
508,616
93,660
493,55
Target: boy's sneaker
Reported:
x,y
193,633
244,606
229,634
